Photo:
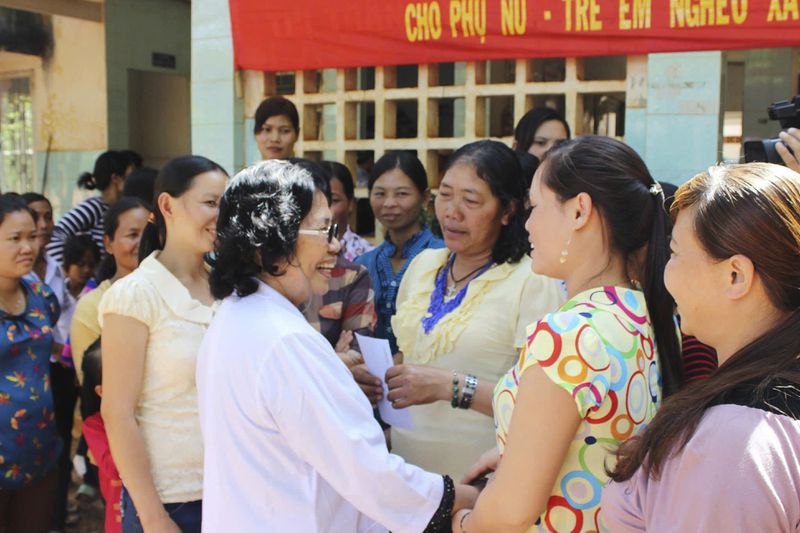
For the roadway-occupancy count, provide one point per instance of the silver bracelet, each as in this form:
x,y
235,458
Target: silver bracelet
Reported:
x,y
470,386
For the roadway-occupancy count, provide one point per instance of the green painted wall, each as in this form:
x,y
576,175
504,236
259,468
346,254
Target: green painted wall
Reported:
x,y
63,169
134,30
678,130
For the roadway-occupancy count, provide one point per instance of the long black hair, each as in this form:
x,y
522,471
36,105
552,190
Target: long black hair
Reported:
x,y
622,189
259,216
275,106
497,165
108,265
175,178
107,165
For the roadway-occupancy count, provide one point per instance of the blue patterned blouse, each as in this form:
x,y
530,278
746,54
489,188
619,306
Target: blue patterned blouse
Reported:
x,y
386,282
29,442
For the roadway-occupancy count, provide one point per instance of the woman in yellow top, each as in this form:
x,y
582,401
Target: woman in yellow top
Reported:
x,y
122,230
594,372
462,311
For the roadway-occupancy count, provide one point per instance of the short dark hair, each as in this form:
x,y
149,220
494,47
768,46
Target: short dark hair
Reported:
x,y
141,183
76,246
13,202
260,213
497,165
275,106
341,173
32,197
530,122
408,163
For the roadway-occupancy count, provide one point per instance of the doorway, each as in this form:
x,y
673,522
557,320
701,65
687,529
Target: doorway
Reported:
x,y
158,116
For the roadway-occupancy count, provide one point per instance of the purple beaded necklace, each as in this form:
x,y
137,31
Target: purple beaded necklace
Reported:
x,y
438,307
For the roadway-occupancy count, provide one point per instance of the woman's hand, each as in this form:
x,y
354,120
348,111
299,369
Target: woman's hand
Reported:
x,y
487,463
343,344
372,386
417,385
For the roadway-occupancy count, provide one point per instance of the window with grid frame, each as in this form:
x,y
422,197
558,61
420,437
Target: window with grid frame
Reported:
x,y
356,115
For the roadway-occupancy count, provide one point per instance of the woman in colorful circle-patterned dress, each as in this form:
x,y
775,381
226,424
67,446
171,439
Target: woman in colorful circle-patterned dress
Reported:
x,y
594,372
29,442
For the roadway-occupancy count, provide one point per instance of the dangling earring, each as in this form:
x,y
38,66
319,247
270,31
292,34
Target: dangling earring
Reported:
x,y
565,252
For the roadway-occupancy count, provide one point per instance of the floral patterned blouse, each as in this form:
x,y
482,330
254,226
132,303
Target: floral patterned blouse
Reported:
x,y
354,245
600,348
29,442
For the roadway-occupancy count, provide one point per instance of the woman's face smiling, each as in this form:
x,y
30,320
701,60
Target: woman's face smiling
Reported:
x,y
276,138
395,200
309,271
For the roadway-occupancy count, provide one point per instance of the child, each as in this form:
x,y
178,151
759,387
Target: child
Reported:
x,y
95,434
81,256
80,259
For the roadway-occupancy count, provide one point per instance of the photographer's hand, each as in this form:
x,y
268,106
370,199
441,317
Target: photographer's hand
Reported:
x,y
790,138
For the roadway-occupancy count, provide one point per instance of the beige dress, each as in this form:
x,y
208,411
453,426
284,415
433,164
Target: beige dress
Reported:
x,y
482,336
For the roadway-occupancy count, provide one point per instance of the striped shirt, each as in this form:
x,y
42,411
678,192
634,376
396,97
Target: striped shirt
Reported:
x,y
85,218
699,360
348,304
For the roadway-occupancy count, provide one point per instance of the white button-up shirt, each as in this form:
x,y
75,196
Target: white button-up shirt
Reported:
x,y
290,441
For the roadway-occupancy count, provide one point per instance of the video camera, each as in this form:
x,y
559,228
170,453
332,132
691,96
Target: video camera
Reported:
x,y
787,112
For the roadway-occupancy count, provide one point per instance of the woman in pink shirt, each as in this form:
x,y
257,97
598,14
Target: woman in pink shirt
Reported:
x,y
723,454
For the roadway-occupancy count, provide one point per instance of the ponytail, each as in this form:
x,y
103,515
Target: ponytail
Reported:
x,y
631,204
107,165
86,181
747,210
660,304
152,239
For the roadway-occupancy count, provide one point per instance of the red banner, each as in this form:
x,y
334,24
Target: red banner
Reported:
x,y
277,35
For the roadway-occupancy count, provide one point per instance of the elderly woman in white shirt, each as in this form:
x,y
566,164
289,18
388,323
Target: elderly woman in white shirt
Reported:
x,y
290,441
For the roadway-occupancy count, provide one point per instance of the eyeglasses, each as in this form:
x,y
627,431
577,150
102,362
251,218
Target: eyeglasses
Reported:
x,y
330,232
